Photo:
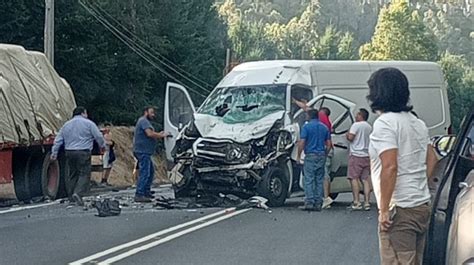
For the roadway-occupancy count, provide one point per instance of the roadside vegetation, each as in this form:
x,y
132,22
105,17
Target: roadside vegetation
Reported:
x,y
187,40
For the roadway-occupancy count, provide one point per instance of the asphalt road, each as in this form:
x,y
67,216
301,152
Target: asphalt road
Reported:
x,y
58,234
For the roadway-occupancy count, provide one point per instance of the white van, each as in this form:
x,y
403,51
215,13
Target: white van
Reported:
x,y
242,139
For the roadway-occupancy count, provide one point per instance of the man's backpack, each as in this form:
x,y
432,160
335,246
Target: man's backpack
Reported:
x,y
107,207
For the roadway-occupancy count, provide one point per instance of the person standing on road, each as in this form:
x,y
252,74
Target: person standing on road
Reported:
x,y
324,113
109,155
144,144
316,142
359,161
399,153
77,136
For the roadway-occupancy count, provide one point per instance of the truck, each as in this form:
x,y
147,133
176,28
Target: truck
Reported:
x,y
242,139
34,104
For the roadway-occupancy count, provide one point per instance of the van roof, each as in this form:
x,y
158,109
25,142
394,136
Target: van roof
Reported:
x,y
314,73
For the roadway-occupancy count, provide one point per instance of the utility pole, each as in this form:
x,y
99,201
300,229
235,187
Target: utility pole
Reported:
x,y
228,61
49,31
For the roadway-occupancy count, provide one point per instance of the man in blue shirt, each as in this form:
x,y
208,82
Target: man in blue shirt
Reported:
x,y
77,136
315,140
144,144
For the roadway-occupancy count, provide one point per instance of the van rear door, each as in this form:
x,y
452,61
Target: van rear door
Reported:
x,y
179,110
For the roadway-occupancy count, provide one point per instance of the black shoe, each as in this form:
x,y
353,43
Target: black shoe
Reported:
x,y
152,192
307,207
317,207
149,196
142,199
76,198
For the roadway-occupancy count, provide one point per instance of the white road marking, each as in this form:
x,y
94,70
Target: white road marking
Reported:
x,y
169,238
149,237
16,209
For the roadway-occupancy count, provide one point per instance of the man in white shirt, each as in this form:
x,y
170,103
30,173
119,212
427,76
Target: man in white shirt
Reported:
x,y
359,162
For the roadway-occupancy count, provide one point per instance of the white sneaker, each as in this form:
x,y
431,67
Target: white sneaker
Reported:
x,y
327,203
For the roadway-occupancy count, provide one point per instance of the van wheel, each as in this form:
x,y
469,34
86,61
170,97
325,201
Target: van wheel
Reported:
x,y
274,186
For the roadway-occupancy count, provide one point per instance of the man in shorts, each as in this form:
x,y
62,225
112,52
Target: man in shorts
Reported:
x,y
359,161
107,158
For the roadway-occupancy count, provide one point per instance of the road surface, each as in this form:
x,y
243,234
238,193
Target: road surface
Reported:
x,y
57,234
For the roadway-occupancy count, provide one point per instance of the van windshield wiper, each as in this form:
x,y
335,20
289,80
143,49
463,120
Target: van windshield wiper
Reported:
x,y
247,107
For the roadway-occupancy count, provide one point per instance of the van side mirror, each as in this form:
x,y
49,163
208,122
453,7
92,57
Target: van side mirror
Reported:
x,y
444,145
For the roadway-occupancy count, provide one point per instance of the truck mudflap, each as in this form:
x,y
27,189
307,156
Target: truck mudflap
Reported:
x,y
7,188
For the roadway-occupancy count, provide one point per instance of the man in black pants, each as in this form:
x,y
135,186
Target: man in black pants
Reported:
x,y
77,136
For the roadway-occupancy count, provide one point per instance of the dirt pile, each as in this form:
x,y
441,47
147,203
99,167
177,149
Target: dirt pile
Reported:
x,y
121,174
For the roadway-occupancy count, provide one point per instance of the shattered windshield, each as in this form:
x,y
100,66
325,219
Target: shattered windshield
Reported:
x,y
245,103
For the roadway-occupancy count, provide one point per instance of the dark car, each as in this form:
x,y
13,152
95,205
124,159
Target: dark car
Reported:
x,y
451,232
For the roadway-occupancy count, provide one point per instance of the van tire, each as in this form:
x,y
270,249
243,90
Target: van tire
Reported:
x,y
274,185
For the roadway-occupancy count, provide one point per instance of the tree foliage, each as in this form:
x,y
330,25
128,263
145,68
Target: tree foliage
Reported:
x,y
460,78
109,78
400,35
113,82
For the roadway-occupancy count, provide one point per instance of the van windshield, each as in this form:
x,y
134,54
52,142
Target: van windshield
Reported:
x,y
245,103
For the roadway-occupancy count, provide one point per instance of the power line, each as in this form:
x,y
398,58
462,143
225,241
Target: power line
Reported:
x,y
150,48
97,14
131,42
126,40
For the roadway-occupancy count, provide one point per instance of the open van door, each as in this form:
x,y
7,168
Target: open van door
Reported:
x,y
342,117
179,110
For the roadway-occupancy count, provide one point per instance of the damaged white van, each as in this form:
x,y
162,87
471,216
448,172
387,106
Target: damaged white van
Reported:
x,y
242,139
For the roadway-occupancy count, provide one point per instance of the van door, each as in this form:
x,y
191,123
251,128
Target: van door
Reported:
x,y
342,117
179,110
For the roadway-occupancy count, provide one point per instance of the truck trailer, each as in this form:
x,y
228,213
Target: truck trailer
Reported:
x,y
34,103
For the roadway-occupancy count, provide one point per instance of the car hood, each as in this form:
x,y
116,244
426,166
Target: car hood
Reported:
x,y
214,127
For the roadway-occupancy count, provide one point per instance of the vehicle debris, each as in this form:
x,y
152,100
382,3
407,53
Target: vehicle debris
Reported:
x,y
107,207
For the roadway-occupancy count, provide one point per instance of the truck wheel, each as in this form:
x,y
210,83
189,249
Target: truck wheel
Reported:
x,y
21,161
34,174
63,171
274,186
50,177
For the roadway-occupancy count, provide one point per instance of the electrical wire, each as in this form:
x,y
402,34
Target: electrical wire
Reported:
x,y
127,41
97,14
110,27
151,48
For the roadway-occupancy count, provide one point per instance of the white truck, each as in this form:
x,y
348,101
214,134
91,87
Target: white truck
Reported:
x,y
242,139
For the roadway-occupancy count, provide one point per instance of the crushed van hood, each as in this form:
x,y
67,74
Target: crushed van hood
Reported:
x,y
213,127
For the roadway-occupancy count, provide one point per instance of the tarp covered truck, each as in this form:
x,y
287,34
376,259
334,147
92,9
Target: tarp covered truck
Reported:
x,y
34,103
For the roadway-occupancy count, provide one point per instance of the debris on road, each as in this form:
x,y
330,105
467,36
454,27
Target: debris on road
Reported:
x,y
107,207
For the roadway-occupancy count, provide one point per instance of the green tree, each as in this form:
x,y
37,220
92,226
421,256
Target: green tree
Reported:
x,y
460,78
400,35
453,27
334,45
108,77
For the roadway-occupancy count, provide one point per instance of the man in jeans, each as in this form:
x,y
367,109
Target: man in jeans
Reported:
x,y
316,142
144,144
77,136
